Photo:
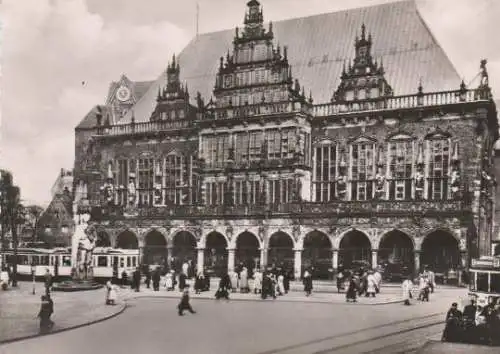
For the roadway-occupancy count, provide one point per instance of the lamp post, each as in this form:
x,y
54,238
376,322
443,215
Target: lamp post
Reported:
x,y
33,271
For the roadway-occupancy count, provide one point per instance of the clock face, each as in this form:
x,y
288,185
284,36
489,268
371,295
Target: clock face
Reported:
x,y
123,94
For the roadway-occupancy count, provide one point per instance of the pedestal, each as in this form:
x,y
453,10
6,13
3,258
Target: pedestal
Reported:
x,y
263,259
230,260
297,264
169,257
374,259
200,262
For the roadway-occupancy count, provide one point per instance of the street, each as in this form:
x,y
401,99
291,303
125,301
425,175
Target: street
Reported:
x,y
255,327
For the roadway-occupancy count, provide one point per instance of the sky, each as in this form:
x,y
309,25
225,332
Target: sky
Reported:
x,y
58,58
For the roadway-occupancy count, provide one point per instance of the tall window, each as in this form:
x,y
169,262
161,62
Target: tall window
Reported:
x,y
281,191
254,192
240,192
146,180
176,180
400,169
255,145
215,192
362,170
241,148
288,143
122,181
438,164
325,173
274,143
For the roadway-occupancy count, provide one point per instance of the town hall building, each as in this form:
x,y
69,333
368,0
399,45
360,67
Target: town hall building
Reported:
x,y
307,143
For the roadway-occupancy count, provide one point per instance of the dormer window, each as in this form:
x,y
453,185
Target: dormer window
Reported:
x,y
349,96
361,94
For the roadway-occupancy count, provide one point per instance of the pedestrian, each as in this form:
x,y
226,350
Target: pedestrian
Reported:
x,y
182,281
223,289
407,288
244,281
199,283
111,294
46,310
340,281
148,277
234,281
136,283
352,289
184,304
286,281
257,281
185,268
4,279
281,284
156,277
47,281
378,280
125,279
169,280
452,330
371,285
307,281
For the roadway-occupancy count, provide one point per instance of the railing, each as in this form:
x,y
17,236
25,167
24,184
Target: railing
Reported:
x,y
401,102
144,127
257,110
337,208
261,163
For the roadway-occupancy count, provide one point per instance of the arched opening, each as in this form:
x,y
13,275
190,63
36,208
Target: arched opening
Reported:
x,y
396,255
155,249
440,252
184,250
281,251
103,239
215,254
247,251
497,250
354,250
317,255
127,240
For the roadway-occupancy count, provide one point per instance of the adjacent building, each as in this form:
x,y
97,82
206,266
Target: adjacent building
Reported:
x,y
310,142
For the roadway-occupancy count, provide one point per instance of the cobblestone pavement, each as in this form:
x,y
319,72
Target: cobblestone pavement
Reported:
x,y
253,326
19,308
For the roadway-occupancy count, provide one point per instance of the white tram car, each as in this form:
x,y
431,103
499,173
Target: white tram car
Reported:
x,y
103,259
484,282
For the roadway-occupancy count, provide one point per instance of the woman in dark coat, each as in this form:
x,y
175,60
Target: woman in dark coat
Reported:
x,y
351,292
224,286
182,281
286,281
46,310
308,283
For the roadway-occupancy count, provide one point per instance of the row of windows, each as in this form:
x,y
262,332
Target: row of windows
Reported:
x,y
398,171
171,115
242,99
258,53
250,192
251,146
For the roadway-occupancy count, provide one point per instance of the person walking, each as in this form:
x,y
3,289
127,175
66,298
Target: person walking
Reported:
x,y
307,281
234,281
156,277
184,303
111,294
257,281
244,281
148,277
407,288
223,289
46,310
371,285
281,284
136,282
352,290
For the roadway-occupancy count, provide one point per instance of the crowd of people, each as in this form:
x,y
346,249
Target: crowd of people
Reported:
x,y
475,325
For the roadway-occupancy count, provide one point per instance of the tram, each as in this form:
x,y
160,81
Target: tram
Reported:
x,y
105,260
484,282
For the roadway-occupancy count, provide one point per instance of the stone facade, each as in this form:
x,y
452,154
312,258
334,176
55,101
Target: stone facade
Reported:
x,y
261,174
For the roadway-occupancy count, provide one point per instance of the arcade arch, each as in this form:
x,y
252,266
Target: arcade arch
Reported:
x,y
440,251
183,250
396,250
247,251
281,250
354,246
155,249
216,254
317,255
127,240
103,239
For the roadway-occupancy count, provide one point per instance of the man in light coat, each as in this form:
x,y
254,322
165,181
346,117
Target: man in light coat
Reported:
x,y
407,288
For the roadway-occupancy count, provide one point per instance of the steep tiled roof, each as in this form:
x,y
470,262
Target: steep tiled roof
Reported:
x,y
317,47
90,120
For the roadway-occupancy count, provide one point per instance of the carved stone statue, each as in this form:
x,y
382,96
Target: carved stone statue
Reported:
x,y
84,242
419,184
455,184
131,190
341,186
379,184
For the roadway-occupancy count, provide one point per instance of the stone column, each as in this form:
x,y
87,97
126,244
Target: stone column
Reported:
x,y
416,254
335,260
374,259
263,259
200,262
230,259
169,256
297,264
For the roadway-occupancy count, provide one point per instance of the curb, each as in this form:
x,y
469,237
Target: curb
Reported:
x,y
123,307
205,298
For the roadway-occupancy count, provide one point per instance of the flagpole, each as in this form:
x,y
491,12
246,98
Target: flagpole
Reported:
x,y
197,18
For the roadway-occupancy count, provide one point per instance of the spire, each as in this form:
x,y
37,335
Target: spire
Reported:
x,y
363,32
159,94
420,87
285,52
310,97
173,61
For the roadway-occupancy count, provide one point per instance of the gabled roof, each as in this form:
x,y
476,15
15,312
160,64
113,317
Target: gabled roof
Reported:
x,y
90,120
61,203
317,48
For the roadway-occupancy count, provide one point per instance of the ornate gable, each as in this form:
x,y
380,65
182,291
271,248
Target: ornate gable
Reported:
x,y
364,78
173,99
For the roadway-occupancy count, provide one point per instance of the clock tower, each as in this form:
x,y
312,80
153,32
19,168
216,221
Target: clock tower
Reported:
x,y
121,97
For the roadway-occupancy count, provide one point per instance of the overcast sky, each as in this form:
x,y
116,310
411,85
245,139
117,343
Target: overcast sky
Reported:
x,y
50,46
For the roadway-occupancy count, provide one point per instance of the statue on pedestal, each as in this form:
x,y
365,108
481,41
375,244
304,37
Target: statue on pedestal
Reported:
x,y
84,242
379,184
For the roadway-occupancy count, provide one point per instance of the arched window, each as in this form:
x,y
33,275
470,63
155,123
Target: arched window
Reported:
x,y
438,166
362,168
145,174
325,172
400,166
